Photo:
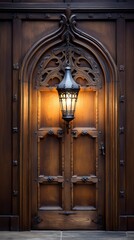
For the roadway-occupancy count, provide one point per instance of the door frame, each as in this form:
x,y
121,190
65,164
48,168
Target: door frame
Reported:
x,y
111,125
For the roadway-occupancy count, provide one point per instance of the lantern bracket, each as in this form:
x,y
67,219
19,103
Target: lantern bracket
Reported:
x,y
68,126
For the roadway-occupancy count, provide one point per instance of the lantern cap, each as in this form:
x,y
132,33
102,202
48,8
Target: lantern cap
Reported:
x,y
68,84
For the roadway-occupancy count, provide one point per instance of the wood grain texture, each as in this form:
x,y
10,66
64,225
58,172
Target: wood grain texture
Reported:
x,y
72,198
129,118
5,118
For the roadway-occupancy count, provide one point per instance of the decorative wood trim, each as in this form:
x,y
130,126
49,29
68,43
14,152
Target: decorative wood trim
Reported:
x,y
55,15
121,76
79,7
92,132
15,115
45,179
90,74
42,132
85,179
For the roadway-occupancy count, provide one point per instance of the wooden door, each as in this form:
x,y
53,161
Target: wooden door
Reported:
x,y
68,167
68,179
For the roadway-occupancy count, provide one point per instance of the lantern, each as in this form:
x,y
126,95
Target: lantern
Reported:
x,y
68,91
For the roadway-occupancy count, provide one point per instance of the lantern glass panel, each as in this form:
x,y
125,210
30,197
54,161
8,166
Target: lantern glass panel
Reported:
x,y
68,104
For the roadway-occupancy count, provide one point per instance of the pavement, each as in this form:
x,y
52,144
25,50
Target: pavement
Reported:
x,y
67,235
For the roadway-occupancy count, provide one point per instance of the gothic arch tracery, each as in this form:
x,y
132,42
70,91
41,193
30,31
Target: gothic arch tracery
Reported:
x,y
89,58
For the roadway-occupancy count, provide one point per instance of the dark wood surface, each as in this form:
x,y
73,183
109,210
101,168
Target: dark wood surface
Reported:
x,y
26,113
5,118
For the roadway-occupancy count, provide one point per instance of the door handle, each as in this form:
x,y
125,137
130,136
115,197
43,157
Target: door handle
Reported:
x,y
102,148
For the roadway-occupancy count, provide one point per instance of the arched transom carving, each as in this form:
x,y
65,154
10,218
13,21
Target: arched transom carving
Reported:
x,y
84,65
85,69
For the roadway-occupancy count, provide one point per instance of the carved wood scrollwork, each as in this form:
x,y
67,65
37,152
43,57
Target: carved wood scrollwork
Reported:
x,y
86,179
50,131
84,66
76,132
50,179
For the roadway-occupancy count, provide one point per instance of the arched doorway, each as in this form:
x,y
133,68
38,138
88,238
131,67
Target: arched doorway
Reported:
x,y
70,182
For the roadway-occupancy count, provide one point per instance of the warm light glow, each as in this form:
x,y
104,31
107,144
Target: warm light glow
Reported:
x,y
68,101
68,104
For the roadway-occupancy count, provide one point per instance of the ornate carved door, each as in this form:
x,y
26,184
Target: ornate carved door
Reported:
x,y
68,165
67,168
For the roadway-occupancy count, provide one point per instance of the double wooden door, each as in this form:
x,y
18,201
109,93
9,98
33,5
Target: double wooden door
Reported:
x,y
67,165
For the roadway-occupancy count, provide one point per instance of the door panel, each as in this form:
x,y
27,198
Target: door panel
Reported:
x,y
67,188
50,197
84,151
48,109
85,115
50,151
84,197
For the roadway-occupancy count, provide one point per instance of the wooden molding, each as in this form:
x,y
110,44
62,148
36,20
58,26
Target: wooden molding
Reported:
x,y
79,7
